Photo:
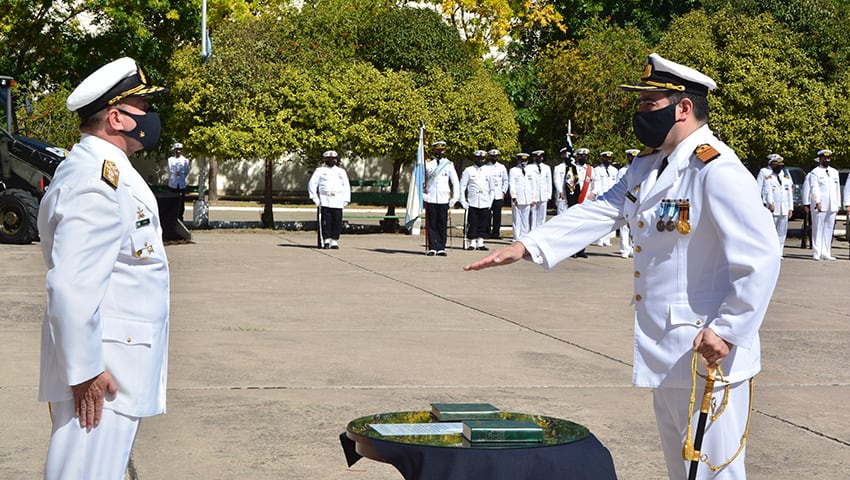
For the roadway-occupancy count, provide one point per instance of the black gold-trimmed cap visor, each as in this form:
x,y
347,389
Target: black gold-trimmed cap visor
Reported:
x,y
135,85
661,75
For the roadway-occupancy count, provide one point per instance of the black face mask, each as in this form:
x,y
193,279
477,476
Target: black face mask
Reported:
x,y
330,163
148,128
581,160
776,169
651,128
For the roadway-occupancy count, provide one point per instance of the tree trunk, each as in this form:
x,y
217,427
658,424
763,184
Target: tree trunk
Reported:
x,y
267,218
391,225
213,179
394,184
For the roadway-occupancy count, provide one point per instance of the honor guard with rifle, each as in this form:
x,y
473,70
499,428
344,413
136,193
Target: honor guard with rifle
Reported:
x,y
823,199
777,194
440,192
705,267
499,185
544,172
476,198
525,188
330,190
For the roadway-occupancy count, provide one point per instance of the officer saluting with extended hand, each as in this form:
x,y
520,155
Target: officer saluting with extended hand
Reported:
x,y
104,341
705,262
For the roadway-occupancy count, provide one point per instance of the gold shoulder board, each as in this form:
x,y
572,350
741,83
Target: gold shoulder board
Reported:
x,y
706,153
646,151
109,174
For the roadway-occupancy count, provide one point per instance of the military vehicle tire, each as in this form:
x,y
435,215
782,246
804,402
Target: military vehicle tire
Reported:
x,y
18,216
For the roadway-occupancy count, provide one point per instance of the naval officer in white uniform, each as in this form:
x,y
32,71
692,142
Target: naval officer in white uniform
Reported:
x,y
104,340
823,197
706,262
778,196
330,190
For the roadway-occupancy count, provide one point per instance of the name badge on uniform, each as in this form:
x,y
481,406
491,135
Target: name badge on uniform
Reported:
x,y
143,222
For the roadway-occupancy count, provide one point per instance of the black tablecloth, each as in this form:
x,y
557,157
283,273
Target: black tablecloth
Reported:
x,y
586,459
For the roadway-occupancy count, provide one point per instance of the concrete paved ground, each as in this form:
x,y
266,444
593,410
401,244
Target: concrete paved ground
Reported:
x,y
276,346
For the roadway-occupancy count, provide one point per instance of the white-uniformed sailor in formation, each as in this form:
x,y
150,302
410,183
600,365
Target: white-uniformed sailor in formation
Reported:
x,y
777,194
625,236
440,192
476,196
104,342
822,195
178,169
330,190
525,190
705,264
604,177
499,184
544,174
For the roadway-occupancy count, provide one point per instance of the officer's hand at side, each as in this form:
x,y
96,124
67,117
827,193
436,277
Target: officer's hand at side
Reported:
x,y
504,256
712,348
89,396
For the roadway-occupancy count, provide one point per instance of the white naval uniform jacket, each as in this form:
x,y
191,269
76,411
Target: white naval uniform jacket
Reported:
x,y
545,172
824,188
107,282
498,180
475,189
329,187
777,189
441,183
524,186
721,275
603,179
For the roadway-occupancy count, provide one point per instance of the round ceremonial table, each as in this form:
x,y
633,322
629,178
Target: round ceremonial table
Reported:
x,y
568,451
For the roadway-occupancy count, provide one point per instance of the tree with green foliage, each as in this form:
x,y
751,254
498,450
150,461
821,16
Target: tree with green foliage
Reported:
x,y
769,97
821,26
269,90
581,78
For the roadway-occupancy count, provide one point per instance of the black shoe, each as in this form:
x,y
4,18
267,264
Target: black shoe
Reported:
x,y
431,253
334,247
581,254
482,247
442,253
470,247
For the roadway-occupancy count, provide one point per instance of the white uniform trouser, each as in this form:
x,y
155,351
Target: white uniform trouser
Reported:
x,y
562,206
822,229
625,242
722,437
538,214
100,454
519,220
781,223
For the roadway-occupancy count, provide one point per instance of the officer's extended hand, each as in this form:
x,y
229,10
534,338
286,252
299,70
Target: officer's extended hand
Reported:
x,y
88,398
503,256
712,348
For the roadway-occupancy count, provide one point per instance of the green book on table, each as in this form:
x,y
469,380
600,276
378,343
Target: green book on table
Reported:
x,y
512,431
456,412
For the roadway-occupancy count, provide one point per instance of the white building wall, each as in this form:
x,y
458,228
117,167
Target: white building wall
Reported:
x,y
246,177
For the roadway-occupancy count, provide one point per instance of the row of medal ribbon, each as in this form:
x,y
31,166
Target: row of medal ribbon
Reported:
x,y
673,215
